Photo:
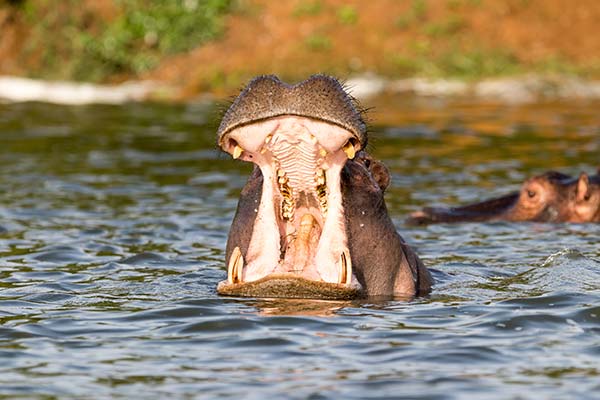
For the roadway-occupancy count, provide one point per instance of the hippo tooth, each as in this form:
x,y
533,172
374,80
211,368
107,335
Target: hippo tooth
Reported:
x,y
320,177
349,150
235,267
237,152
346,268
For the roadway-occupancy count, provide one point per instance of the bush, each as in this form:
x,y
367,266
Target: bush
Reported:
x,y
144,31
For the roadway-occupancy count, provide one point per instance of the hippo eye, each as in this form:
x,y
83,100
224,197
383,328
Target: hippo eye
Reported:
x,y
531,194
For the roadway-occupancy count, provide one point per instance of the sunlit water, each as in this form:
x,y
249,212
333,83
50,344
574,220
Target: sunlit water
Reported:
x,y
113,223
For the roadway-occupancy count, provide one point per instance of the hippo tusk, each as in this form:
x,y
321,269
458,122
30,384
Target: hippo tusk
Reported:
x,y
349,150
346,268
235,267
237,152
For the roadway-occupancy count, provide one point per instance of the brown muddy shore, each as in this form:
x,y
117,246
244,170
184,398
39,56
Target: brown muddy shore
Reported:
x,y
517,50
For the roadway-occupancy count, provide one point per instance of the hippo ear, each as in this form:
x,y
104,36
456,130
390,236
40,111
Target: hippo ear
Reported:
x,y
583,187
380,173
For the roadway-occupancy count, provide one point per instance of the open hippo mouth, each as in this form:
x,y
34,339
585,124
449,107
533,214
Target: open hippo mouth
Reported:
x,y
299,234
298,246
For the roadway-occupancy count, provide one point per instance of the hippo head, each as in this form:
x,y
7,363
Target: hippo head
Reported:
x,y
548,197
308,215
543,198
299,137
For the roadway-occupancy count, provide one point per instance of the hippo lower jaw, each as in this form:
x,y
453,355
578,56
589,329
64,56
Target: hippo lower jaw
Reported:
x,y
290,286
299,245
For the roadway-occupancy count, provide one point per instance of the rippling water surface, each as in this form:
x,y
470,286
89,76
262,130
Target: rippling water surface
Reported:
x,y
113,223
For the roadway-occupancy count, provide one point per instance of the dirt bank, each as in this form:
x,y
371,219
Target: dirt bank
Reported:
x,y
468,39
464,39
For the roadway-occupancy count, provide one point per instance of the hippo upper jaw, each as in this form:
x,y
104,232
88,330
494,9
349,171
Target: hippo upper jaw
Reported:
x,y
299,238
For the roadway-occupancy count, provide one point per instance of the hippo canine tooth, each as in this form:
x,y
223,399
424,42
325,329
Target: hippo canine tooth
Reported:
x,y
349,150
346,268
235,267
237,152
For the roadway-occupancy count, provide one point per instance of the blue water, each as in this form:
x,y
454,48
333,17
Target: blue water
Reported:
x,y
113,223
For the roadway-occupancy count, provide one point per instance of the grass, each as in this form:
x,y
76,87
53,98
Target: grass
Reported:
x,y
456,4
450,26
308,8
416,13
68,41
475,64
464,64
75,45
347,15
557,65
318,42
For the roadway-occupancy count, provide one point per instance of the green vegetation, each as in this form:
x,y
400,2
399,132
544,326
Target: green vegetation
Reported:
x,y
417,13
347,15
308,8
456,4
112,40
74,44
478,63
558,65
317,42
464,64
450,26
419,9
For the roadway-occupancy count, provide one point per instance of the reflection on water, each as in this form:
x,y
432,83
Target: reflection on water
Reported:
x,y
113,222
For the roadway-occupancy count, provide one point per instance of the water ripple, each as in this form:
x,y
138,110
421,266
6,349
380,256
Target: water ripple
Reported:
x,y
112,243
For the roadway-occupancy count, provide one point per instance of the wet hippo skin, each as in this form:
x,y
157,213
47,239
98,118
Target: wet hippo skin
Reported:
x,y
311,221
549,197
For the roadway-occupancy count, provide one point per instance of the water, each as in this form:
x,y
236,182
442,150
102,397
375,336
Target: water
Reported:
x,y
113,223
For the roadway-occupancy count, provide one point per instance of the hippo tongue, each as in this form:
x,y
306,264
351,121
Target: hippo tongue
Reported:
x,y
301,250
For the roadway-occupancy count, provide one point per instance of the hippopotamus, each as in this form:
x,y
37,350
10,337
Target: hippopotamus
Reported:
x,y
311,221
549,197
